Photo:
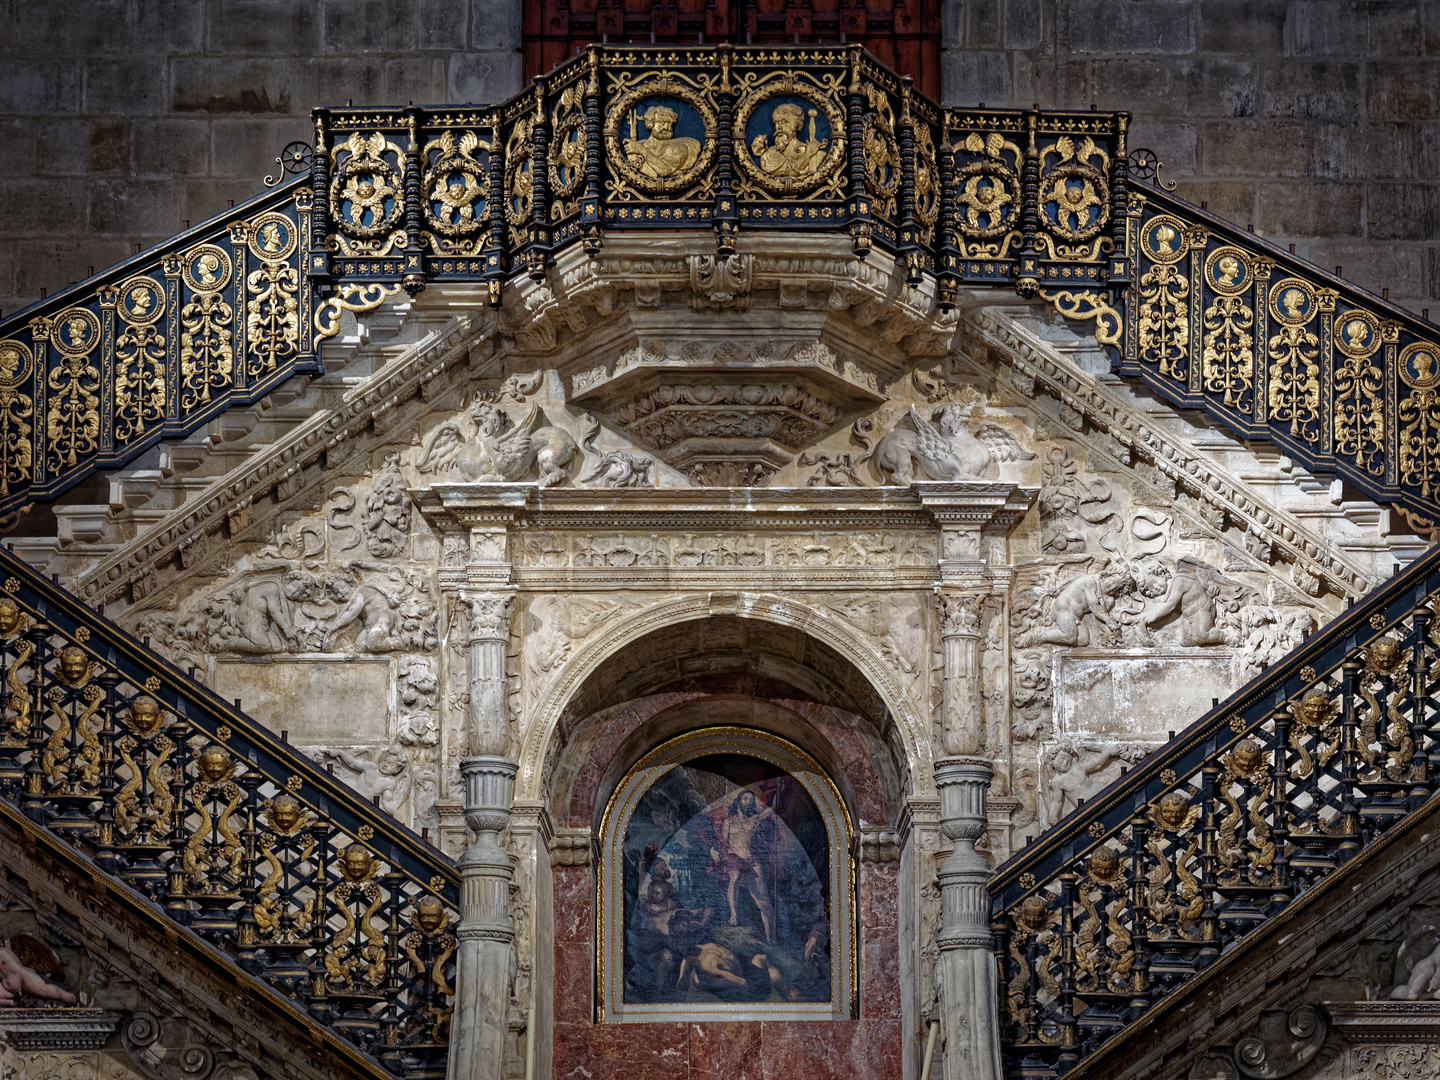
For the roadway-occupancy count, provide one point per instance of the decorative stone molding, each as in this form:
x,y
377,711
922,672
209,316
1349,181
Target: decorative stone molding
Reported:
x,y
58,1029
1035,362
875,845
1386,1021
286,463
571,847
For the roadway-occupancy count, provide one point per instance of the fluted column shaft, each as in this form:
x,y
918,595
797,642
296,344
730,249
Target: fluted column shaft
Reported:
x,y
970,1009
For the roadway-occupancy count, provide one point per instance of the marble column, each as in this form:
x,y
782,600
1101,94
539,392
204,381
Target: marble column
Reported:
x,y
485,960
970,1010
961,706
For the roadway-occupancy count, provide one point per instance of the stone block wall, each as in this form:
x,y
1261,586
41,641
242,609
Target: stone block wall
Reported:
x,y
1314,122
122,119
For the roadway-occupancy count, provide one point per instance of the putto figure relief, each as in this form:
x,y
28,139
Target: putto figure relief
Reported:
x,y
959,446
26,965
499,450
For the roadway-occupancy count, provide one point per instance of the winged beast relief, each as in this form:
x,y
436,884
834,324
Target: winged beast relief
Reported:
x,y
499,450
959,445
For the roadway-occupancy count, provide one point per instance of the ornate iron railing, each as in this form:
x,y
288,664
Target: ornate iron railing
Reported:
x,y
726,139
230,832
1172,865
1276,349
155,346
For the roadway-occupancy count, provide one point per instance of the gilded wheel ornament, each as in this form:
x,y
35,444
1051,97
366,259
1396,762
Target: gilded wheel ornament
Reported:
x,y
365,189
660,136
793,137
454,185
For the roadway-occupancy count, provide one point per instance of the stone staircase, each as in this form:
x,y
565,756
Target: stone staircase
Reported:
x,y
196,826
1107,919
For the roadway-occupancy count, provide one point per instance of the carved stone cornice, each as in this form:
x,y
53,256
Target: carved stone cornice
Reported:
x,y
282,467
1386,1021
1035,362
58,1029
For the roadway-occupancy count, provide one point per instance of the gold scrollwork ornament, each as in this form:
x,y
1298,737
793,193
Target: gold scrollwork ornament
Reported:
x,y
365,191
455,192
16,410
72,421
1419,441
140,367
1359,408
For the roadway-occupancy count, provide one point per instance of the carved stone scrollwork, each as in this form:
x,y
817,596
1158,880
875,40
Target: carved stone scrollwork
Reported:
x,y
1282,1044
962,721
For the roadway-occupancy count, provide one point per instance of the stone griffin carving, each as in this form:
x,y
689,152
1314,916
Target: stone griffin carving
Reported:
x,y
617,468
959,446
499,450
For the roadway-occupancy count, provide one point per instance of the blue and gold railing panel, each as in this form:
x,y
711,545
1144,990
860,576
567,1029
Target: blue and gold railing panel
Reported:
x,y
154,347
1152,880
1275,349
1029,199
225,828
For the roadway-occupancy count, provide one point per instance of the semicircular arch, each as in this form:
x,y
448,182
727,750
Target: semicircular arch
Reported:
x,y
538,742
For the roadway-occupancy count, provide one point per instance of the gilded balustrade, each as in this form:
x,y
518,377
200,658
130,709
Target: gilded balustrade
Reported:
x,y
726,140
1173,864
236,836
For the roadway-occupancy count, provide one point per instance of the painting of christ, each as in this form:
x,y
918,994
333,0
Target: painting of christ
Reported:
x,y
726,888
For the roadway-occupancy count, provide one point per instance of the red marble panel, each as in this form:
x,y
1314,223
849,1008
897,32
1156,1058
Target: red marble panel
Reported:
x,y
879,894
622,1051
725,1051
880,975
574,981
574,903
806,1050
616,730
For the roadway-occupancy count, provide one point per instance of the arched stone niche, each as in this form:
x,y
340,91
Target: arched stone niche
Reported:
x,y
767,679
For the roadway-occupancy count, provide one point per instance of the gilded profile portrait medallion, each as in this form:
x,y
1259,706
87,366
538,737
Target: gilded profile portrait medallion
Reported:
x,y
791,138
1163,239
207,268
15,363
659,136
272,237
76,332
1292,301
1357,333
141,301
1419,366
1227,271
